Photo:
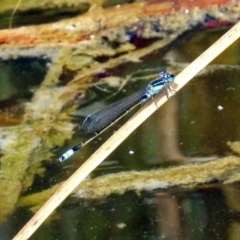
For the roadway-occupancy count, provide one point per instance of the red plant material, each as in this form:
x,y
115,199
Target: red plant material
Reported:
x,y
81,28
7,121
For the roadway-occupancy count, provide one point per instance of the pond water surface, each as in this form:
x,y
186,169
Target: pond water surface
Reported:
x,y
194,125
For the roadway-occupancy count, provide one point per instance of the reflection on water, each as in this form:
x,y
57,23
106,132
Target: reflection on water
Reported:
x,y
196,122
207,213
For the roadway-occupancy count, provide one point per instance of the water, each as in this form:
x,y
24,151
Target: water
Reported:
x,y
210,212
195,124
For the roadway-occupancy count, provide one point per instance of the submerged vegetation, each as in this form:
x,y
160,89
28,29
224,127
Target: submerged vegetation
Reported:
x,y
81,52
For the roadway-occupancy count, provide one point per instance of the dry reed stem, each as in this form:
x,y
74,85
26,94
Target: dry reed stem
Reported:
x,y
116,139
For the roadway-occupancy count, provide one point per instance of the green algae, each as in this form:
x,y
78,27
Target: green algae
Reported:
x,y
235,146
223,170
47,124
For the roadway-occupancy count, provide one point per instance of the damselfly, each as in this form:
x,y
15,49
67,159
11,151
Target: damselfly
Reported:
x,y
99,121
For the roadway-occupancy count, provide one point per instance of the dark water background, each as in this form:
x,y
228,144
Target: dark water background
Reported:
x,y
196,123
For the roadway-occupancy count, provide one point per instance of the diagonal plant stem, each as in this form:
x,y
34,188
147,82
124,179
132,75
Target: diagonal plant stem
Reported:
x,y
116,139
